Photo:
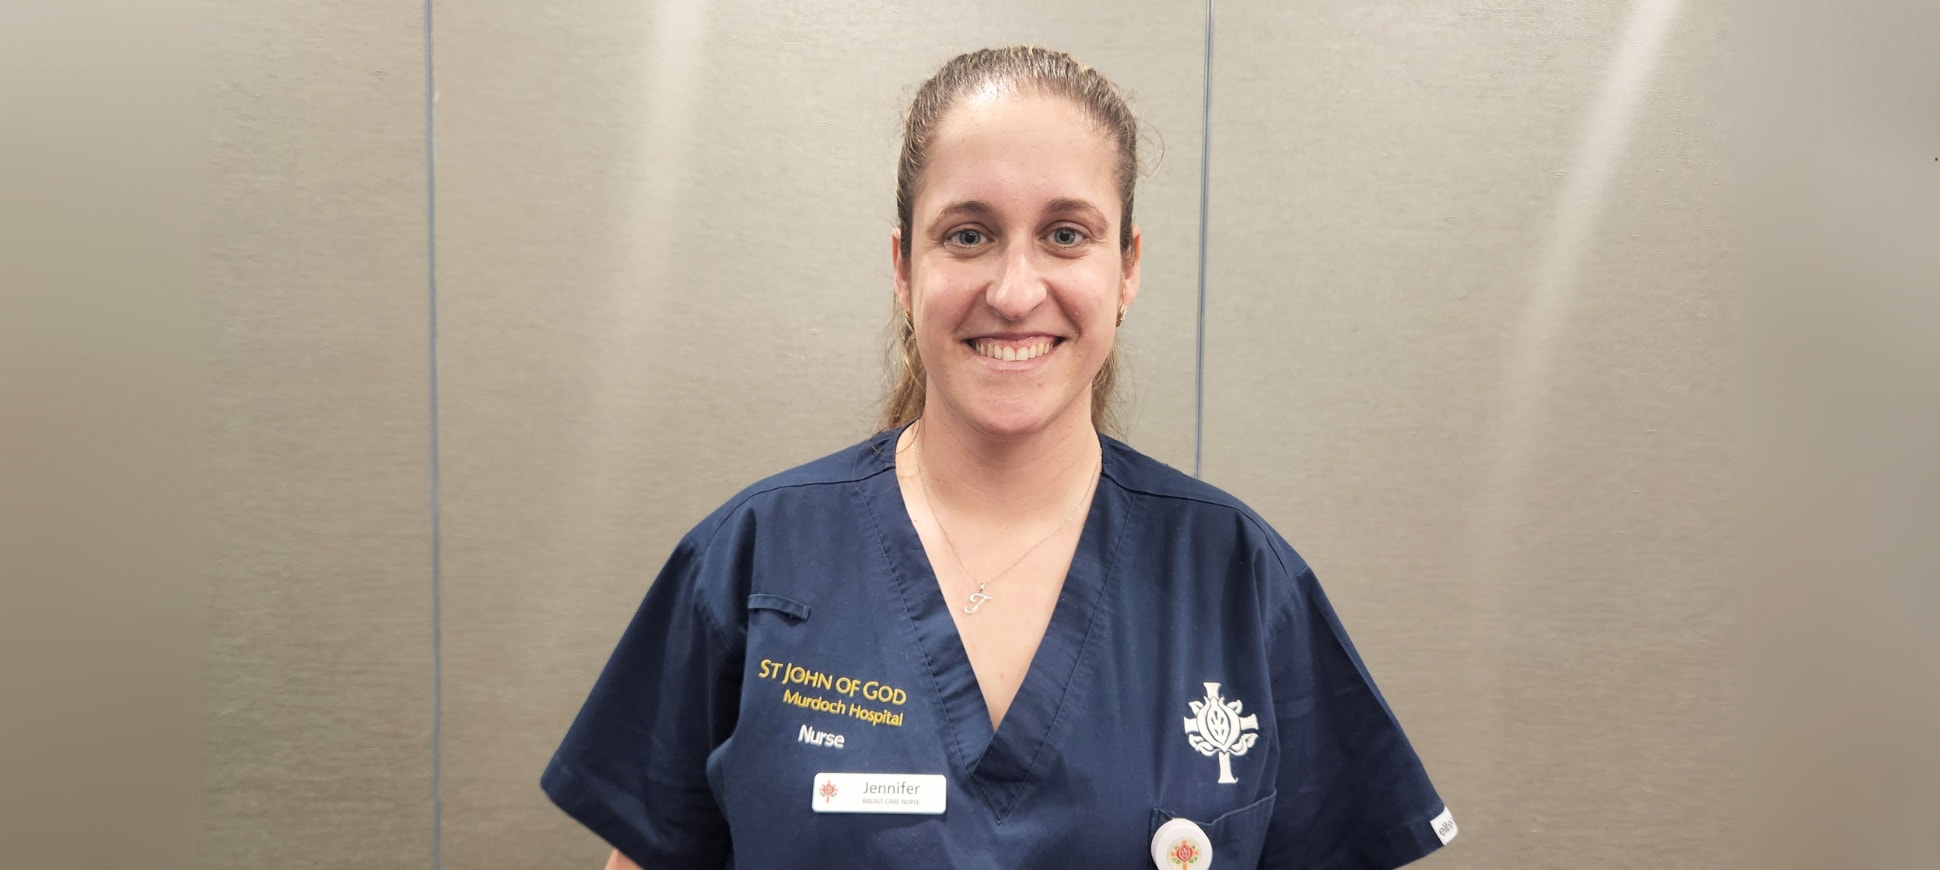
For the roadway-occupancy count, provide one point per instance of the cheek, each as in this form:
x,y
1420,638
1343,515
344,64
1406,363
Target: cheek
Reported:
x,y
1092,293
946,292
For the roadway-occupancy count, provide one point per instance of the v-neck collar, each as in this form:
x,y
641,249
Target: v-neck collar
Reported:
x,y
1001,765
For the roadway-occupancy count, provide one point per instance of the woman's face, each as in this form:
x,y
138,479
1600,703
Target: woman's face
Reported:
x,y
1015,278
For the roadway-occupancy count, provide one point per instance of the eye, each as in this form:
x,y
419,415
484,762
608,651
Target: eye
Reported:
x,y
965,238
1066,237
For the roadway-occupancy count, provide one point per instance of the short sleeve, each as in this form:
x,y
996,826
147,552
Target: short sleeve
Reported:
x,y
633,767
1352,794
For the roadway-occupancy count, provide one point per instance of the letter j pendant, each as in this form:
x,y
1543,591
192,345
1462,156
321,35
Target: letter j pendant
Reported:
x,y
977,599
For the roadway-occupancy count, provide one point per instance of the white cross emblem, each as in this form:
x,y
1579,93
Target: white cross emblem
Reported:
x,y
1216,728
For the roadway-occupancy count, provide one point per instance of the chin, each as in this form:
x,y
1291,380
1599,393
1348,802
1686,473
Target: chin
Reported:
x,y
1009,422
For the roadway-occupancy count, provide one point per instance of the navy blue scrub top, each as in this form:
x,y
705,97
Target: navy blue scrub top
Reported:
x,y
1192,668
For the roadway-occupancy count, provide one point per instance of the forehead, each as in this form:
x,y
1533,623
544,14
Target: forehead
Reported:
x,y
1018,150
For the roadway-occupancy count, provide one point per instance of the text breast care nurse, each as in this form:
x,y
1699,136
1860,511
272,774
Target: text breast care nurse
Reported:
x,y
990,636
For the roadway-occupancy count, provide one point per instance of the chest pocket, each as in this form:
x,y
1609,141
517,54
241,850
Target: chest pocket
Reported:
x,y
1237,837
795,611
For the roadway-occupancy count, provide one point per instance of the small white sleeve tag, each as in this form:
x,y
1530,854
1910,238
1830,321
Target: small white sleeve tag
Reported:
x,y
923,794
1444,826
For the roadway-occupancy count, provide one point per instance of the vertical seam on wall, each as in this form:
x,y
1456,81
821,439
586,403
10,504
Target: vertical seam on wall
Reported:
x,y
431,286
1205,173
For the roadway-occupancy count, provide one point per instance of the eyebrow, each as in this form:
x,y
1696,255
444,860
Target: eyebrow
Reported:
x,y
1065,205
973,207
1061,205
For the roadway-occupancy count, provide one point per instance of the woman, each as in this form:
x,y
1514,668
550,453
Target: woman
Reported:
x,y
989,635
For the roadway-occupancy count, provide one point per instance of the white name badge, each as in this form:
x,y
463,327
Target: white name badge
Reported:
x,y
922,793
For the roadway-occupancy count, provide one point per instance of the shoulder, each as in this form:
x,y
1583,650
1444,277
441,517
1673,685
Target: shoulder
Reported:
x,y
1229,556
803,492
778,518
1196,511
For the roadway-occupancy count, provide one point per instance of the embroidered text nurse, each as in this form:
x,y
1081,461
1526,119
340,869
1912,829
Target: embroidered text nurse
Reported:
x,y
991,634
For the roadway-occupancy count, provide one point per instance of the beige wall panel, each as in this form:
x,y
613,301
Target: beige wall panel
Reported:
x,y
1471,345
317,679
664,273
1843,178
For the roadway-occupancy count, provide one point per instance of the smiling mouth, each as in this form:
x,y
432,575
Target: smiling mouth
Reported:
x,y
1014,351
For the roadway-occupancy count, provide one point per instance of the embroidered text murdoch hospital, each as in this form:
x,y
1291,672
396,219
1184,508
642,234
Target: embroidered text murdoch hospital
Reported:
x,y
1217,728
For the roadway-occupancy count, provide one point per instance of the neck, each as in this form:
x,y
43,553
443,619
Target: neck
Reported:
x,y
1025,477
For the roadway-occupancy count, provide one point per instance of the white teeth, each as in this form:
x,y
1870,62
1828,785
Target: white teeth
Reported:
x,y
1010,353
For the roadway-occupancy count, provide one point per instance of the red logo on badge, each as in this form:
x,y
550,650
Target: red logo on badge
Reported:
x,y
1183,853
827,791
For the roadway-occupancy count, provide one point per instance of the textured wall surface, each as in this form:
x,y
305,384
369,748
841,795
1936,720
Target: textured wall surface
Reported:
x,y
1486,379
318,669
1471,343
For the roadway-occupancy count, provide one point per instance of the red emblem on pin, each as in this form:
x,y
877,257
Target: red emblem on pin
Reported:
x,y
1183,853
1183,845
827,791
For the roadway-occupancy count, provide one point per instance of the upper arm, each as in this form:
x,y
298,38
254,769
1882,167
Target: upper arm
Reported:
x,y
1351,790
633,766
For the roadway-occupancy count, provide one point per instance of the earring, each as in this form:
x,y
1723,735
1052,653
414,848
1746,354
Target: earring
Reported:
x,y
1121,315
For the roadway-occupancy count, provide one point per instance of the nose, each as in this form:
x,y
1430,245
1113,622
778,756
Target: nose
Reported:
x,y
1019,287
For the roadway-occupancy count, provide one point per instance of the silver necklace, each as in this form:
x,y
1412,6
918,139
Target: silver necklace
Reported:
x,y
978,597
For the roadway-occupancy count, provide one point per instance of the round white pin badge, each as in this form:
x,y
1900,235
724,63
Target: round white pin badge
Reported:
x,y
1181,845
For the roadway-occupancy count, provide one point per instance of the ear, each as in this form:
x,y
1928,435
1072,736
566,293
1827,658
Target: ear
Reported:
x,y
1128,287
900,267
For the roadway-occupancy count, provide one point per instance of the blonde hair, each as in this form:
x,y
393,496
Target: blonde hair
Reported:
x,y
1014,69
